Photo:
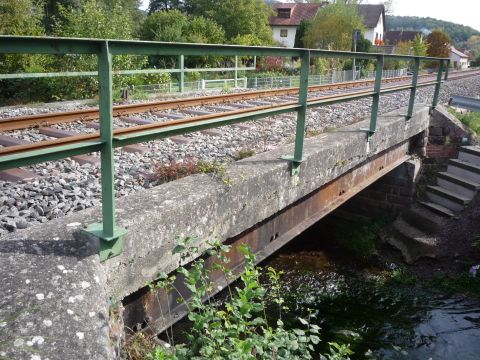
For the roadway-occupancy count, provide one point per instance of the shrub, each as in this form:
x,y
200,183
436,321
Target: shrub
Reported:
x,y
239,328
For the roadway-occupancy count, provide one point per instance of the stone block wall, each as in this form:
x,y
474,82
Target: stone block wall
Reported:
x,y
389,195
445,134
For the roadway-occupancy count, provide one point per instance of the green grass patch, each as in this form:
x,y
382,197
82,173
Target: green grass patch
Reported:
x,y
471,119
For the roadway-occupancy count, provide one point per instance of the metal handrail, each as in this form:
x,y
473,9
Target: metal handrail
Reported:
x,y
109,234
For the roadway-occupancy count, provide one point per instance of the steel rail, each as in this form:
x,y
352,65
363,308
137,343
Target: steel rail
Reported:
x,y
123,136
23,122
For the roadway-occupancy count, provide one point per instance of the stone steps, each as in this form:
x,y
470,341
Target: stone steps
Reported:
x,y
413,232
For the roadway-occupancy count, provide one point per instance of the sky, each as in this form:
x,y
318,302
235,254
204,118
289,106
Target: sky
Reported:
x,y
463,12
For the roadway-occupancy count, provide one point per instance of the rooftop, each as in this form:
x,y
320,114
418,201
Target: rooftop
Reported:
x,y
298,13
393,37
371,14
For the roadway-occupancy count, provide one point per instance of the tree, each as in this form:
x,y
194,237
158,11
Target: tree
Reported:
x,y
237,17
301,32
438,44
20,17
176,26
332,28
419,46
159,5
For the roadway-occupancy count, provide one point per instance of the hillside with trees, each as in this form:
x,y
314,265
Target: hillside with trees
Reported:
x,y
458,33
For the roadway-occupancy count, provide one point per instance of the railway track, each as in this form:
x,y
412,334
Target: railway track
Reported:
x,y
22,122
180,112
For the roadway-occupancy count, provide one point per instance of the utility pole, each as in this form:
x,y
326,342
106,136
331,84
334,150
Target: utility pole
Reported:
x,y
355,36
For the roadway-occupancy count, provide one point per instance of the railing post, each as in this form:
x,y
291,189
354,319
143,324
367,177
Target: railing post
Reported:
x,y
413,90
181,67
110,236
437,85
297,158
376,97
236,71
446,70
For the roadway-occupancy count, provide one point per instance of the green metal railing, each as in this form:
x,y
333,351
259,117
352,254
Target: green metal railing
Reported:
x,y
109,234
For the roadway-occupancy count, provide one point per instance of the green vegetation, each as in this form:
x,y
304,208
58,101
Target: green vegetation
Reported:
x,y
438,43
471,119
177,169
358,237
238,328
333,26
243,154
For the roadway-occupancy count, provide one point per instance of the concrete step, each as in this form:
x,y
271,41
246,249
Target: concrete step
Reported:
x,y
447,198
457,184
423,219
412,243
470,154
438,209
464,169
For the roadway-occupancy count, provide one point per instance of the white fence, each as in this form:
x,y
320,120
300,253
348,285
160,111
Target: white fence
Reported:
x,y
331,77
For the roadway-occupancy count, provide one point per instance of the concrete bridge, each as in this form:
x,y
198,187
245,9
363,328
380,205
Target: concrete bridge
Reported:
x,y
59,300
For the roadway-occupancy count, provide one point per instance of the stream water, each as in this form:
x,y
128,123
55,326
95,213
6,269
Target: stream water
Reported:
x,y
355,303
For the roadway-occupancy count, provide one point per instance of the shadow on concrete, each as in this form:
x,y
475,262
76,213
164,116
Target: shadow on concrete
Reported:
x,y
59,248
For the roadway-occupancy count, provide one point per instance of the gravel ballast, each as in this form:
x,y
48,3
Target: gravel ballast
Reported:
x,y
65,186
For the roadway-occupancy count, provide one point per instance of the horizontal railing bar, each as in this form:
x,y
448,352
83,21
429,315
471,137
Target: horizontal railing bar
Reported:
x,y
117,72
48,154
49,45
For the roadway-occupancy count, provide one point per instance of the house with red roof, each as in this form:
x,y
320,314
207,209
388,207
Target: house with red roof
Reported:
x,y
288,17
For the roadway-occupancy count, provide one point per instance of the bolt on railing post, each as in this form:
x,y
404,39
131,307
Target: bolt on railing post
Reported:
x,y
437,85
110,236
376,96
413,90
181,67
297,158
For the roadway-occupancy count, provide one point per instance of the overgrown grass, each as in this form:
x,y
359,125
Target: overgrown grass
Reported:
x,y
177,169
243,154
471,119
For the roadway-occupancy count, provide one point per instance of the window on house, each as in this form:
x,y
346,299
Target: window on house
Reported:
x,y
283,13
283,33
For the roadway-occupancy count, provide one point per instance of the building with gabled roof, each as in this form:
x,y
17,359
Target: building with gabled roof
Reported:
x,y
289,16
458,59
287,19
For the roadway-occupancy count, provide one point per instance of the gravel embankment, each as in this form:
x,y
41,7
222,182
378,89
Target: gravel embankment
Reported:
x,y
65,186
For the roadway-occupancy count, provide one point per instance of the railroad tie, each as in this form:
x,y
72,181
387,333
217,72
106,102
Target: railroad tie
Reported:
x,y
83,159
196,112
16,174
181,140
59,133
135,120
168,115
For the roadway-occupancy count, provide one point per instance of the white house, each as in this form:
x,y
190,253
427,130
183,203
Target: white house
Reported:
x,y
374,21
288,17
458,59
